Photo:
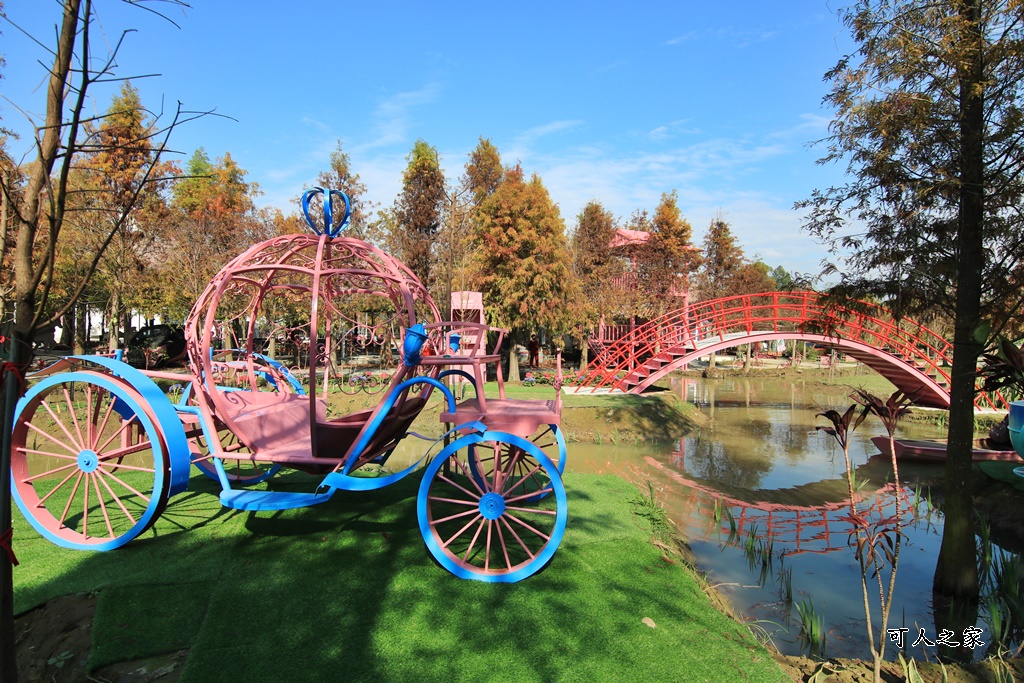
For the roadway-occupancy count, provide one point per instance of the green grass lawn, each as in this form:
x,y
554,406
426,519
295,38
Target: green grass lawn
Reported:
x,y
347,591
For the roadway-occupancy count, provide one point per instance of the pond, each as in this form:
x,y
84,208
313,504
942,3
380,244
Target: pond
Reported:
x,y
761,496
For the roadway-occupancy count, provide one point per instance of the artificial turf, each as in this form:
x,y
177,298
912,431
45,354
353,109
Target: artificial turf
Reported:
x,y
346,590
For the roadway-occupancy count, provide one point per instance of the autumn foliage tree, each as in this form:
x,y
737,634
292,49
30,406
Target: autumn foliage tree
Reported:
x,y
599,272
667,259
723,258
108,184
214,217
418,210
596,268
484,171
522,261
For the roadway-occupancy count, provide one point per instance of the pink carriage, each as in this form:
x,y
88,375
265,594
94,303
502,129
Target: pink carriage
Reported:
x,y
100,448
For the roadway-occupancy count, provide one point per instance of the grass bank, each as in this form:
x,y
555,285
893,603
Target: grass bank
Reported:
x,y
591,418
347,591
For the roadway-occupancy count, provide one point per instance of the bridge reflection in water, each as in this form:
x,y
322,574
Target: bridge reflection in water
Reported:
x,y
761,496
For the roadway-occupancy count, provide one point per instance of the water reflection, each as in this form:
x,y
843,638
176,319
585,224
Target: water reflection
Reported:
x,y
762,496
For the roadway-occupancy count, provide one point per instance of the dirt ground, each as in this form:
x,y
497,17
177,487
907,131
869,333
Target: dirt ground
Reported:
x,y
53,640
53,644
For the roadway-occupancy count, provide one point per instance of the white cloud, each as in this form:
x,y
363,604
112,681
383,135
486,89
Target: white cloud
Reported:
x,y
684,38
613,66
393,116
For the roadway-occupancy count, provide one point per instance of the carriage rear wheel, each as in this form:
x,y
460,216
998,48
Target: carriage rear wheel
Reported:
x,y
89,461
500,527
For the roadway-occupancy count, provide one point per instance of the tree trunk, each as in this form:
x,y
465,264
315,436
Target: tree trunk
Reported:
x,y
584,350
114,324
956,571
81,328
67,329
513,360
20,356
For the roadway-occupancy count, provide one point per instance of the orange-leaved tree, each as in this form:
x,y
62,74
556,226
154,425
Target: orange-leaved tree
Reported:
x,y
522,263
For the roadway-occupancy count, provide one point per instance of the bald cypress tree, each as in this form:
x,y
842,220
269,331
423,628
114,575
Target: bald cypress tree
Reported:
x,y
522,260
929,125
418,209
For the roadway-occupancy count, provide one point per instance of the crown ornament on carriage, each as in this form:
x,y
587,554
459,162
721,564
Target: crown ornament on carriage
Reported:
x,y
330,229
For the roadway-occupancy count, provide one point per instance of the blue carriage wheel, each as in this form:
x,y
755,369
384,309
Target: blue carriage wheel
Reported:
x,y
548,438
89,465
500,530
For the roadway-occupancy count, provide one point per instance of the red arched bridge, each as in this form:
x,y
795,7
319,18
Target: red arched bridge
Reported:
x,y
905,352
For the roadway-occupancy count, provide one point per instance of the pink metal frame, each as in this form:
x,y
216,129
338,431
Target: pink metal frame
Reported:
x,y
328,269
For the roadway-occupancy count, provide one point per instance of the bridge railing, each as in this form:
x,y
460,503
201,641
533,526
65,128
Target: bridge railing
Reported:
x,y
712,322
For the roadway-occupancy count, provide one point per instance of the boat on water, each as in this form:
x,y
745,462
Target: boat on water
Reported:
x,y
935,451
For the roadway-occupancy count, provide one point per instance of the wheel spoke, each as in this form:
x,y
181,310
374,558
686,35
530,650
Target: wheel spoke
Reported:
x,y
93,399
51,437
523,479
103,506
48,454
532,511
117,499
497,477
469,475
71,411
487,547
515,457
518,539
60,424
472,541
85,507
122,483
459,532
71,498
453,501
452,483
457,515
122,452
121,466
125,424
49,472
524,524
504,547
57,487
533,495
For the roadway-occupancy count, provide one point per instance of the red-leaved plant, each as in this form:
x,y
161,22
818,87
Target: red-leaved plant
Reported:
x,y
878,543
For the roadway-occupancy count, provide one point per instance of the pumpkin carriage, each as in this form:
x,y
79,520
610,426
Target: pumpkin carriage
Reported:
x,y
99,448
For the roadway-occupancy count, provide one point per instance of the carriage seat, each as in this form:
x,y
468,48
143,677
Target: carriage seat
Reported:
x,y
266,420
336,437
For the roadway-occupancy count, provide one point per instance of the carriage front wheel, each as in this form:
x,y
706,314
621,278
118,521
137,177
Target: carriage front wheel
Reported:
x,y
501,527
89,463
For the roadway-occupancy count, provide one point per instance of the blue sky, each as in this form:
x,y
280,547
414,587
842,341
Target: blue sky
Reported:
x,y
718,101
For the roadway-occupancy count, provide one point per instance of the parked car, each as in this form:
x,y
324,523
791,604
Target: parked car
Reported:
x,y
156,345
